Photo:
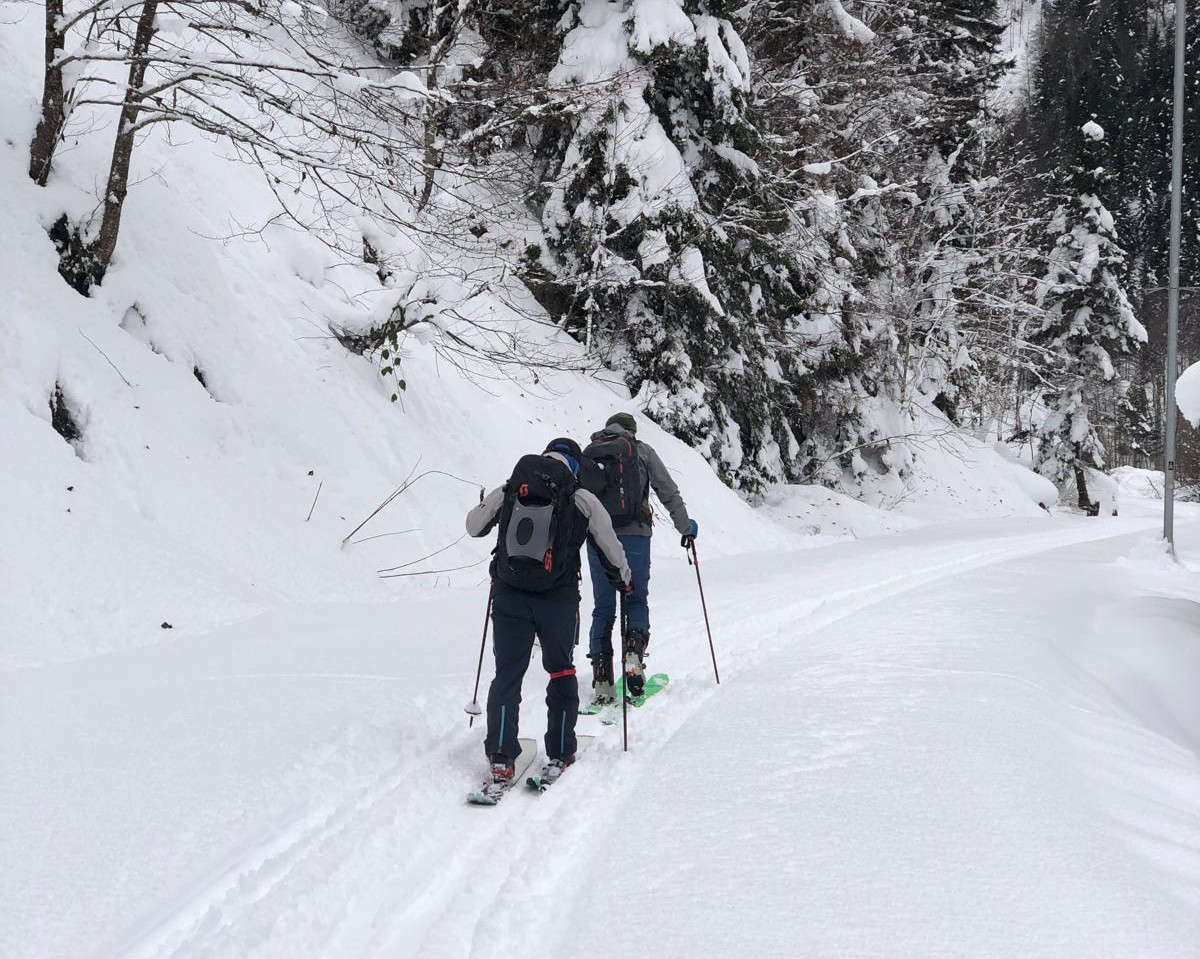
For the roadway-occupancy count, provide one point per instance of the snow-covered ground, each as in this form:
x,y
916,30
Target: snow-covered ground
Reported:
x,y
978,739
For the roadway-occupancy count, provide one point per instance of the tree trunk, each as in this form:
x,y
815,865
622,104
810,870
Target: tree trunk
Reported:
x,y
1085,501
54,113
99,252
433,126
435,112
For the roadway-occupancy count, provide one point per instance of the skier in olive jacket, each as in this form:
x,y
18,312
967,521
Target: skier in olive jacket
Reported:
x,y
635,538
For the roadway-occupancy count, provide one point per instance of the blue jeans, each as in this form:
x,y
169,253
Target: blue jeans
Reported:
x,y
604,596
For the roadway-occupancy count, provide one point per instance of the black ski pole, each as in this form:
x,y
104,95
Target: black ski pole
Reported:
x,y
624,679
472,707
689,543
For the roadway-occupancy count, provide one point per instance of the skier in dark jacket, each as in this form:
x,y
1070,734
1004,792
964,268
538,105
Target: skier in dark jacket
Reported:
x,y
635,538
536,591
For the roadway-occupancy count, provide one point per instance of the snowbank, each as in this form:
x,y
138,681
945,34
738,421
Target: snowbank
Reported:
x,y
1102,489
954,475
951,477
817,511
1135,483
1187,394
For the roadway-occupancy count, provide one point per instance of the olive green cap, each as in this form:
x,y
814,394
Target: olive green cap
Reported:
x,y
623,419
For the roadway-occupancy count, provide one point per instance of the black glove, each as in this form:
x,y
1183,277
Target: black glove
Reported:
x,y
625,589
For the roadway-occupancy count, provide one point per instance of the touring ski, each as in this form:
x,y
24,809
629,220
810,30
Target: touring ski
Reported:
x,y
493,789
551,772
655,684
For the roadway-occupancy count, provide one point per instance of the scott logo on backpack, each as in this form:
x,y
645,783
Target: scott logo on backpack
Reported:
x,y
537,526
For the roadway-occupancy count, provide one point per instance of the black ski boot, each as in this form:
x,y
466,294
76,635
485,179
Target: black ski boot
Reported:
x,y
635,645
604,693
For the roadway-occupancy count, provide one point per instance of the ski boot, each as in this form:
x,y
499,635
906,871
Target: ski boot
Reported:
x,y
549,774
635,645
604,693
502,772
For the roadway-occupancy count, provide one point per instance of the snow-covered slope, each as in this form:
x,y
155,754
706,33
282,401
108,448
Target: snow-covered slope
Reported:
x,y
216,411
187,502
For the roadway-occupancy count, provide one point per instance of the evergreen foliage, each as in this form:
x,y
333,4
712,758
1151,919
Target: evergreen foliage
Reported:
x,y
1088,321
797,228
1111,63
684,259
749,292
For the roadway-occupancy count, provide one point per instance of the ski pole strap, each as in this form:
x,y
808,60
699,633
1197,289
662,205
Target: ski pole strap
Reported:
x,y
559,674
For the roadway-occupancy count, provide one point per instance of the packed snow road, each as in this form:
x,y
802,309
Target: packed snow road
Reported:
x,y
978,740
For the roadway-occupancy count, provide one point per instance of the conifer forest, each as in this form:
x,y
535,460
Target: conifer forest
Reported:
x,y
805,234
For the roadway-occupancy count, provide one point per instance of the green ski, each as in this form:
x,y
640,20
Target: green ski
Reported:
x,y
655,684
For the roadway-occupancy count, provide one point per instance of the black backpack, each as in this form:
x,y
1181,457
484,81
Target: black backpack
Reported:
x,y
614,476
541,531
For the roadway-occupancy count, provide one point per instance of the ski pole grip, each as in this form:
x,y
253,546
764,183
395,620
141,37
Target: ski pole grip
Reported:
x,y
689,544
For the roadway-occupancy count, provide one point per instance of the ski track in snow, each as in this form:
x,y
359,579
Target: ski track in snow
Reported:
x,y
387,871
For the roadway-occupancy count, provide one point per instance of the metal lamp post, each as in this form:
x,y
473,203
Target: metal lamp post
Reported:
x,y
1173,279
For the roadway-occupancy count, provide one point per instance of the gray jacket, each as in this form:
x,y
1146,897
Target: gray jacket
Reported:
x,y
600,528
658,479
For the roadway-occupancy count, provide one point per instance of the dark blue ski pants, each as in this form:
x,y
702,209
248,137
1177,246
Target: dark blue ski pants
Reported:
x,y
604,595
516,618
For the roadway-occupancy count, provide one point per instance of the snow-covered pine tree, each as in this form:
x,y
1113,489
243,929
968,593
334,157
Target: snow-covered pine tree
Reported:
x,y
679,258
1113,61
822,104
903,112
1088,319
956,255
946,52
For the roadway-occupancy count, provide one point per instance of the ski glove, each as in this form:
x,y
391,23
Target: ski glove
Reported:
x,y
690,536
620,585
